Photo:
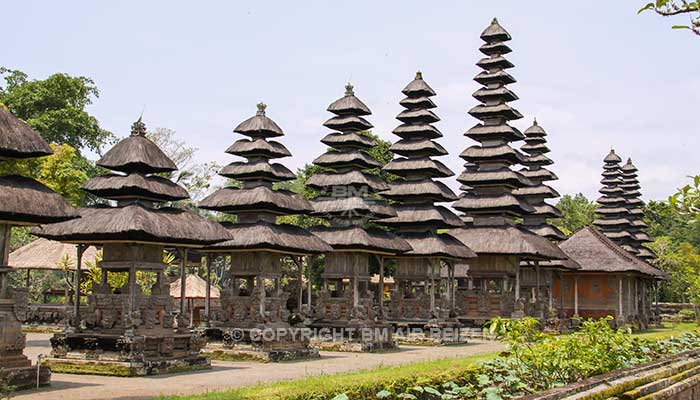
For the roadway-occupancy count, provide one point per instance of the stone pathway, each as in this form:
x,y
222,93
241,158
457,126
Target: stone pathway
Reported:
x,y
226,375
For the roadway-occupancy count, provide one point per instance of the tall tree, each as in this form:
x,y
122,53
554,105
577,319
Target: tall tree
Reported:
x,y
577,212
670,8
55,108
687,199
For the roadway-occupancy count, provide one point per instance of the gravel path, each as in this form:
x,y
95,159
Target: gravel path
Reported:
x,y
225,375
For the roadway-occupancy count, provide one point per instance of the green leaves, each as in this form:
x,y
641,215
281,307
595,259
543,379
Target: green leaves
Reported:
x,y
669,8
646,7
341,396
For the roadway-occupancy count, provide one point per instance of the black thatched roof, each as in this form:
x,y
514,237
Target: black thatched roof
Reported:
x,y
258,147
136,223
431,244
116,187
509,241
486,204
137,153
259,125
347,158
18,140
356,179
261,199
420,147
350,139
594,252
352,207
425,189
349,104
257,170
419,166
24,201
422,216
355,238
263,236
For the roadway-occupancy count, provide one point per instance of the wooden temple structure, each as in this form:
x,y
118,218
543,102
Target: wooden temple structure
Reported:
x,y
347,198
422,296
489,201
23,202
253,315
131,328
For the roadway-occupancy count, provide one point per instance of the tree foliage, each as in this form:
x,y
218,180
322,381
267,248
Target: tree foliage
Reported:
x,y
670,8
577,212
687,199
55,108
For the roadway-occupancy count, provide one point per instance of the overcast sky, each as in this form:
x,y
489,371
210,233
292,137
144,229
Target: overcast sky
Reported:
x,y
595,74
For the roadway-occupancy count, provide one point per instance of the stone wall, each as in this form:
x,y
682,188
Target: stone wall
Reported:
x,y
676,378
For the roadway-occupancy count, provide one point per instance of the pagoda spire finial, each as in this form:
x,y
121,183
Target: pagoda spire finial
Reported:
x,y
534,121
419,75
349,89
138,128
261,108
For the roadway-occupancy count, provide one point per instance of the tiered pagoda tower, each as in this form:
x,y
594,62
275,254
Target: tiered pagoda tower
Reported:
x,y
23,201
416,298
252,299
613,213
635,207
347,197
536,221
132,330
488,201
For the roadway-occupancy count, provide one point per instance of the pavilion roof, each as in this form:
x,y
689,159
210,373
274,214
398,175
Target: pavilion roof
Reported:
x,y
137,153
507,240
195,288
44,254
264,236
19,140
355,238
24,201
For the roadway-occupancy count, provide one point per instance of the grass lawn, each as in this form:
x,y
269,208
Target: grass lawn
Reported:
x,y
336,383
668,330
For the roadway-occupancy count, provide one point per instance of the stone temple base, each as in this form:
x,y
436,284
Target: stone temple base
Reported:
x,y
25,377
126,369
356,338
126,355
232,344
430,334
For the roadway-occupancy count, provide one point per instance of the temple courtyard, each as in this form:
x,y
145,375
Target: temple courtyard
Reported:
x,y
228,375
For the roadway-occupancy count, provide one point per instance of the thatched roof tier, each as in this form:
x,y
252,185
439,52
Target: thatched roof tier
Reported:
x,y
494,78
195,288
348,123
136,223
135,186
612,159
351,140
423,166
426,190
495,33
422,217
492,204
349,104
354,238
480,132
486,94
635,207
503,153
418,148
545,210
611,190
347,158
44,254
612,210
264,236
417,115
417,102
495,48
607,222
414,131
547,231
614,217
258,147
19,140
540,190
356,179
431,244
418,88
137,153
507,241
24,201
595,252
257,170
537,160
352,207
260,198
486,112
533,147
541,174
610,201
618,235
259,125
502,176
645,254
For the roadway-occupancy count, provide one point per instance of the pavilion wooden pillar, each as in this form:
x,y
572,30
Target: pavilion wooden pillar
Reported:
x,y
207,290
300,275
636,297
5,232
183,279
517,286
575,296
380,292
620,299
432,286
562,311
80,249
260,283
309,288
538,293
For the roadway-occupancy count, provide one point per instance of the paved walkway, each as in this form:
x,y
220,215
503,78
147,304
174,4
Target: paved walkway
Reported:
x,y
225,375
